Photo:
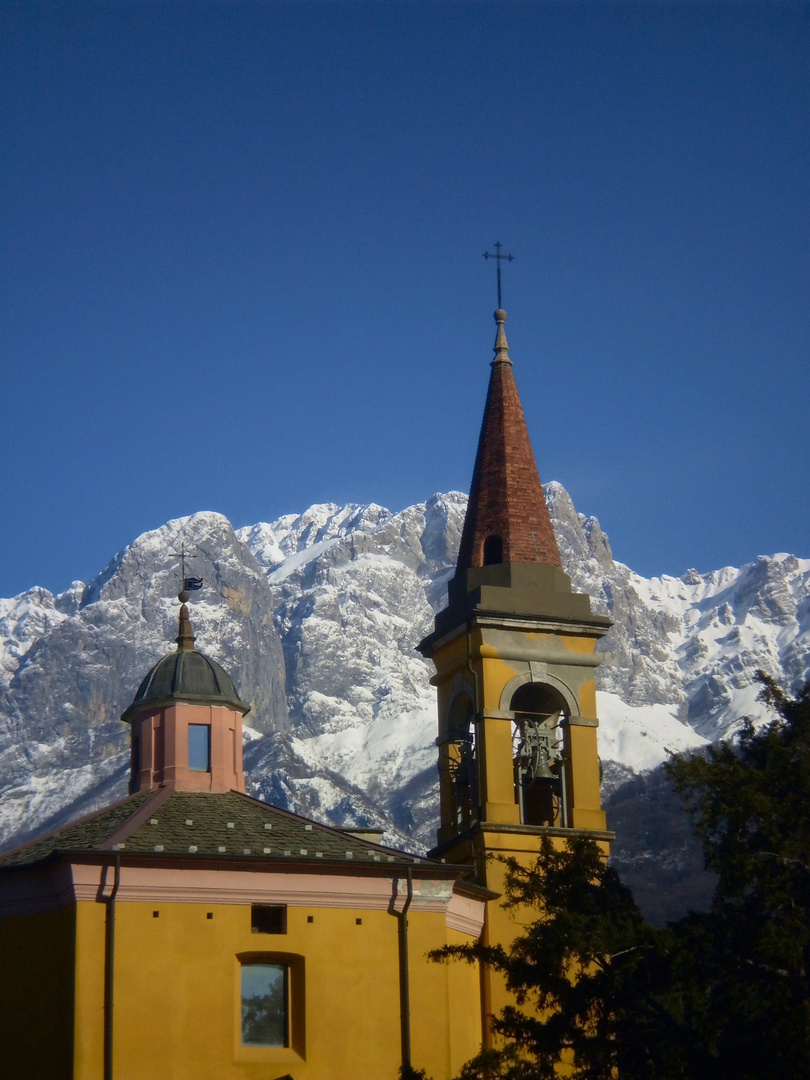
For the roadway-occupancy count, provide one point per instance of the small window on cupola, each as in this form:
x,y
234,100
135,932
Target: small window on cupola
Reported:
x,y
493,551
199,747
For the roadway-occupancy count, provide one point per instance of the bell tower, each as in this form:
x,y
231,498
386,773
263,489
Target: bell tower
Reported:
x,y
515,664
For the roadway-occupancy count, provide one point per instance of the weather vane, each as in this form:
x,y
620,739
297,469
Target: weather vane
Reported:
x,y
190,584
496,254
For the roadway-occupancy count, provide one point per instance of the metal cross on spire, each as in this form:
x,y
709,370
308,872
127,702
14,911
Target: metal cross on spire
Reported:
x,y
496,254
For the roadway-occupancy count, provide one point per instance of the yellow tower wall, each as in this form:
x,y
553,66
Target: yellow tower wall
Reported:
x,y
490,662
490,659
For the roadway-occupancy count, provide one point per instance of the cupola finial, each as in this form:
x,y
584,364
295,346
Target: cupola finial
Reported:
x,y
185,634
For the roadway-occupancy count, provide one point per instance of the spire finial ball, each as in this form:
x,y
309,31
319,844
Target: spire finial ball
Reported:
x,y
500,316
183,597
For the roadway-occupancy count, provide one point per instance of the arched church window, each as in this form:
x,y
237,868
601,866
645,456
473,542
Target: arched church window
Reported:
x,y
273,1007
493,551
265,1009
462,760
537,741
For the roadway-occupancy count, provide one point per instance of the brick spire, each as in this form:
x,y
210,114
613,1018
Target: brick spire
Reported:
x,y
507,518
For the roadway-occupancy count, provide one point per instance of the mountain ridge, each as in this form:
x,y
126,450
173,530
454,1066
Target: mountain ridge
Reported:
x,y
317,615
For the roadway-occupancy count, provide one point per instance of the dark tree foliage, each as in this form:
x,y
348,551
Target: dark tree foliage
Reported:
x,y
751,805
596,979
263,1017
714,996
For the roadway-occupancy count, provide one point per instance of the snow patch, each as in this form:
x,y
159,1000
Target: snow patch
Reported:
x,y
641,737
390,750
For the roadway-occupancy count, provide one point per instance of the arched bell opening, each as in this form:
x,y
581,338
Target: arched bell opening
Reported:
x,y
460,761
538,754
493,551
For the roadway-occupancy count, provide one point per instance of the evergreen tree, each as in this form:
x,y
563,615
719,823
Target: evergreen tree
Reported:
x,y
714,996
593,982
751,803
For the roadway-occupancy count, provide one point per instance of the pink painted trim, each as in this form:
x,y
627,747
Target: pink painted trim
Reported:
x,y
60,884
30,890
466,915
175,885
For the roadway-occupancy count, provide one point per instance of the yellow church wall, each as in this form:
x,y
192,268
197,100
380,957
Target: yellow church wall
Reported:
x,y
465,1029
495,674
583,778
36,995
344,976
579,643
445,1009
587,698
453,660
497,778
89,993
503,924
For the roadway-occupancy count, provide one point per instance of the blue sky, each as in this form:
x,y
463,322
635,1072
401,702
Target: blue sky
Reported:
x,y
241,265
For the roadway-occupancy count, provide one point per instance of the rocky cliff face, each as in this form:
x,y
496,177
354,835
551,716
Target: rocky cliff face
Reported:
x,y
331,603
71,664
692,643
355,589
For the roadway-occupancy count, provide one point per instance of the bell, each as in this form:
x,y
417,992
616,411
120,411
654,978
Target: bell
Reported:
x,y
543,772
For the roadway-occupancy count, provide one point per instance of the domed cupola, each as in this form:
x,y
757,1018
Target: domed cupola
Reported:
x,y
185,675
186,722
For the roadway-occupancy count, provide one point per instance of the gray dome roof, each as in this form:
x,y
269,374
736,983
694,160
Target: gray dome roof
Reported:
x,y
185,675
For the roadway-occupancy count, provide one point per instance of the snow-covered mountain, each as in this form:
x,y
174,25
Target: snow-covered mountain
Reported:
x,y
692,643
330,604
70,664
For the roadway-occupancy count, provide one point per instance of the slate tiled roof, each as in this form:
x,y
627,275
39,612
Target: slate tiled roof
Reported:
x,y
81,835
210,825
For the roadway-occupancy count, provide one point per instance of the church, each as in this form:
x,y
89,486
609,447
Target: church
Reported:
x,y
191,931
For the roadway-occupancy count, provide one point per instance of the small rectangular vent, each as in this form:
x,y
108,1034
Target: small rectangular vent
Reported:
x,y
268,918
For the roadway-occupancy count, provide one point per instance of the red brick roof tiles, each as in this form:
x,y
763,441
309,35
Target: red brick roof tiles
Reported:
x,y
506,497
